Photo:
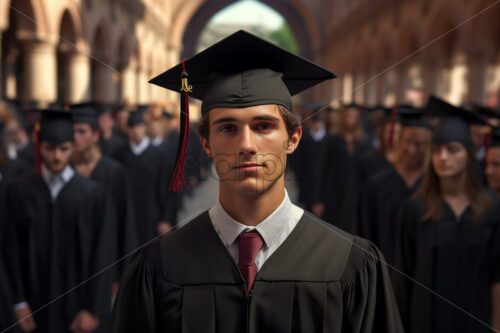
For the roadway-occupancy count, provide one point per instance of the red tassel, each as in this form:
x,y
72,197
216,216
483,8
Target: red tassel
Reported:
x,y
178,175
37,148
394,114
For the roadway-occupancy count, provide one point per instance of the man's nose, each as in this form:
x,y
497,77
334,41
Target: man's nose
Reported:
x,y
246,142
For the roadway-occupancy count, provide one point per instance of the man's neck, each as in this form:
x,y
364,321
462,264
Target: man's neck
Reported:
x,y
107,134
86,161
252,209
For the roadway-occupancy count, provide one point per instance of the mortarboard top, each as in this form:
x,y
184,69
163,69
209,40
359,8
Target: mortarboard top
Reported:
x,y
412,117
244,70
85,113
454,124
486,112
135,118
56,126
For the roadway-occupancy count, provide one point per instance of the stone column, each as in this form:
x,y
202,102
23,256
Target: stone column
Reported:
x,y
128,84
476,78
77,77
401,75
104,86
40,72
143,89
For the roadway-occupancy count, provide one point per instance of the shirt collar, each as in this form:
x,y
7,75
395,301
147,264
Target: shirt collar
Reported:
x,y
139,148
270,228
64,175
157,141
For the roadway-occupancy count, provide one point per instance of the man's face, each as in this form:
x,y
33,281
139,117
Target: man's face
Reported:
x,y
105,122
492,170
56,157
121,120
136,133
85,137
249,147
413,146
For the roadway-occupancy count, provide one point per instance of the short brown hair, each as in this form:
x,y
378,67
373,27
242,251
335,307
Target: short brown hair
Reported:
x,y
291,123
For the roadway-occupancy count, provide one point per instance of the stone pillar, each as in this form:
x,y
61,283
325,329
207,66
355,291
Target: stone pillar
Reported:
x,y
430,76
40,72
143,89
401,75
128,84
77,77
359,85
1,67
476,77
104,86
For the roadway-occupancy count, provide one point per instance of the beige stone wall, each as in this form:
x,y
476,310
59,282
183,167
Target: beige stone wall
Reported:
x,y
383,51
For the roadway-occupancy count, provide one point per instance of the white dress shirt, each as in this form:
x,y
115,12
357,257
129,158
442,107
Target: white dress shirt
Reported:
x,y
139,148
274,229
157,141
56,182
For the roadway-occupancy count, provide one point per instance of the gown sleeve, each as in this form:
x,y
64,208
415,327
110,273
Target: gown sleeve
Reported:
x,y
406,259
134,307
369,302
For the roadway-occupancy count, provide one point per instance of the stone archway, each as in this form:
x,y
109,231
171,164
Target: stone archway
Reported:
x,y
193,18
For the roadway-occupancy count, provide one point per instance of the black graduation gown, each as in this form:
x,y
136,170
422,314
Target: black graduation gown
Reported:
x,y
456,259
369,164
380,204
109,147
339,182
113,177
306,169
51,248
28,155
148,178
320,279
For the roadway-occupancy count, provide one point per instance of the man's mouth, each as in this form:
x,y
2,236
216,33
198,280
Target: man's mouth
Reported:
x,y
249,166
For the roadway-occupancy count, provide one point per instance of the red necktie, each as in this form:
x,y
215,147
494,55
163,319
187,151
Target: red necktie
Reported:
x,y
250,244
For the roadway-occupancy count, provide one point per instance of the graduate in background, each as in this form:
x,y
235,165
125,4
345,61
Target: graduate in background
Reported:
x,y
90,163
148,172
384,193
254,262
387,129
492,159
55,237
338,165
449,239
110,141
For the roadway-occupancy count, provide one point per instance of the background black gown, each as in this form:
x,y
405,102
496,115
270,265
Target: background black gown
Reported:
x,y
149,176
113,177
339,182
455,258
369,164
51,247
320,279
380,204
28,156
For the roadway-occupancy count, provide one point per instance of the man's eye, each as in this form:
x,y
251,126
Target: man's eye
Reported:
x,y
264,126
227,128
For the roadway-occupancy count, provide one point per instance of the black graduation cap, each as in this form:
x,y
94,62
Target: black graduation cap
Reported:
x,y
410,116
244,70
135,118
240,71
454,124
85,113
487,112
56,126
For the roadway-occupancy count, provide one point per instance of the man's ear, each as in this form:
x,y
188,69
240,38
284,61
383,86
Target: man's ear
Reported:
x,y
293,143
206,146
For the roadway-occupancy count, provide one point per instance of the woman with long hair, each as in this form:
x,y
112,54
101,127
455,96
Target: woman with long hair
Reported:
x,y
447,261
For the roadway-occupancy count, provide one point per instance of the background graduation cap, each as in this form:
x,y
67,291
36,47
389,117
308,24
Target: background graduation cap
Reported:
x,y
410,116
240,71
135,118
495,137
454,124
54,126
85,113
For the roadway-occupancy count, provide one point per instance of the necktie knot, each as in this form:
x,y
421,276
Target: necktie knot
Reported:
x,y
250,243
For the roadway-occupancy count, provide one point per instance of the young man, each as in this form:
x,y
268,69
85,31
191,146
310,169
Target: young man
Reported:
x,y
90,163
383,194
55,238
254,262
148,172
